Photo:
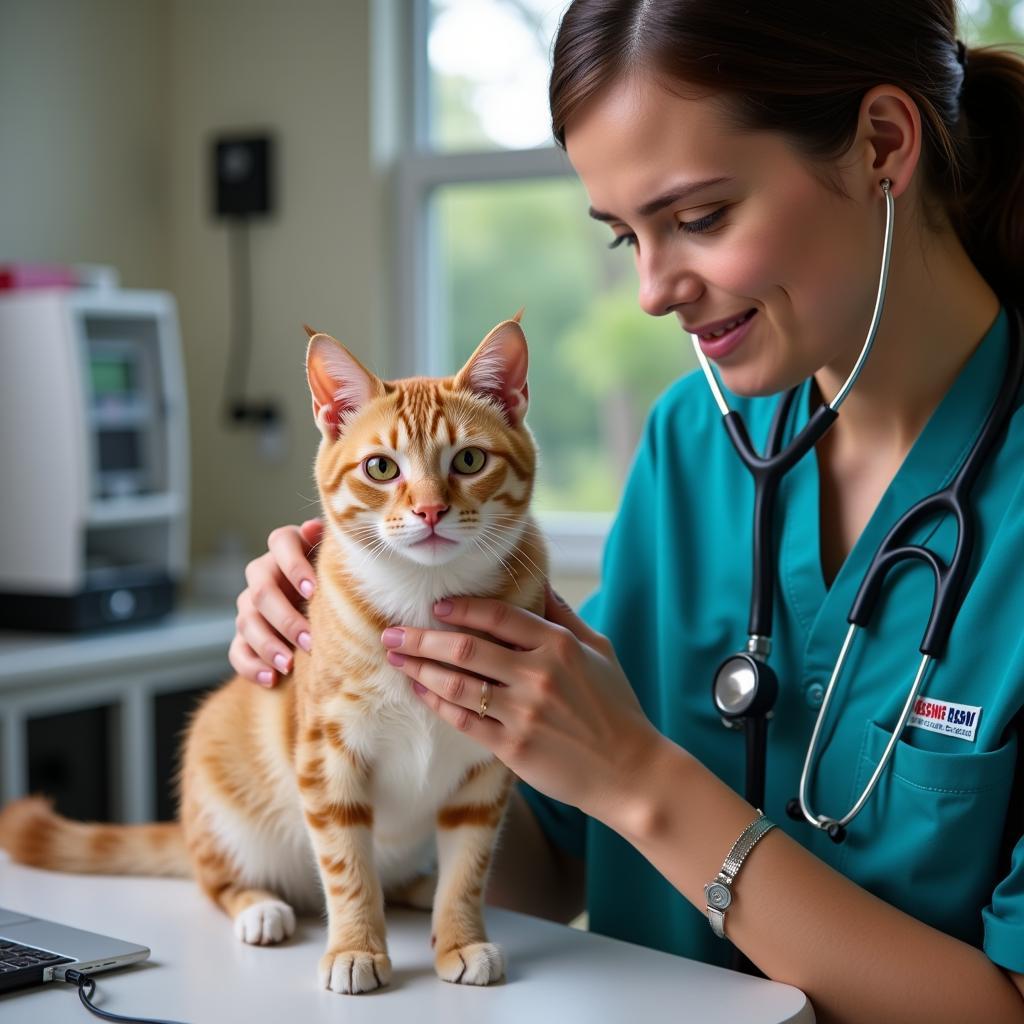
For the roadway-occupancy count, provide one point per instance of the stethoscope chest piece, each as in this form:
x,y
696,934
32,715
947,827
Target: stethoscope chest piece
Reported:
x,y
744,687
744,692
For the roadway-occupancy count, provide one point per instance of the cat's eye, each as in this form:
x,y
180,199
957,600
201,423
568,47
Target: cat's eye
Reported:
x,y
469,461
380,467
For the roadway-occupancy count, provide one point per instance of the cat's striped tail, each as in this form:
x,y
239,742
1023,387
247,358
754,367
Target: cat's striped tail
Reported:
x,y
33,833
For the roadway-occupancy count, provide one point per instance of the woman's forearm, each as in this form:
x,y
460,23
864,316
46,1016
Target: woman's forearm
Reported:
x,y
798,920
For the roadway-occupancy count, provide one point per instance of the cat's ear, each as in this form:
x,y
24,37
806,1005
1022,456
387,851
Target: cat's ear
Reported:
x,y
339,383
497,370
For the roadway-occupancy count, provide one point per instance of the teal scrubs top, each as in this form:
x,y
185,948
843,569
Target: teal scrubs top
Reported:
x,y
937,838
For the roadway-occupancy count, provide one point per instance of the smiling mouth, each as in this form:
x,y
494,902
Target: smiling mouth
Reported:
x,y
730,326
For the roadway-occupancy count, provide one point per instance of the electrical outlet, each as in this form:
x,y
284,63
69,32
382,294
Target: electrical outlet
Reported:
x,y
243,175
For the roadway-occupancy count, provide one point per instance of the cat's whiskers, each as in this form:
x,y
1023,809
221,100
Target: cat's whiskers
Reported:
x,y
516,555
308,500
372,551
551,541
479,541
379,549
495,531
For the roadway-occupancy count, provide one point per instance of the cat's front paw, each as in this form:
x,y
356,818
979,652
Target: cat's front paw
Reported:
x,y
352,971
265,923
480,963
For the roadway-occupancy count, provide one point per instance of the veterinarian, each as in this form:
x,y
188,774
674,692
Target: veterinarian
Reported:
x,y
775,168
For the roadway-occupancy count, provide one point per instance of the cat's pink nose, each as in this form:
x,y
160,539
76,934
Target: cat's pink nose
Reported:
x,y
431,513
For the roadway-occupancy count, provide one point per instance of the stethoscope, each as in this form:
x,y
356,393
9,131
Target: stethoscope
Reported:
x,y
745,686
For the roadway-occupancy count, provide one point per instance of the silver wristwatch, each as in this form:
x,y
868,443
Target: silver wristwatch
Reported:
x,y
718,892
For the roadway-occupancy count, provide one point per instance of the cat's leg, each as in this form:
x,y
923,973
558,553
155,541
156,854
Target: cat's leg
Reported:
x,y
334,783
466,830
260,917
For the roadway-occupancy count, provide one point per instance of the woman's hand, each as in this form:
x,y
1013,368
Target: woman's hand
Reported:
x,y
269,624
561,713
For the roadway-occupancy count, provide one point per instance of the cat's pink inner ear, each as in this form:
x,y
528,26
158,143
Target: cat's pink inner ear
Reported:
x,y
339,383
497,370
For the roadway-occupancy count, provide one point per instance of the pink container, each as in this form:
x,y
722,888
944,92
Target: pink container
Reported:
x,y
36,275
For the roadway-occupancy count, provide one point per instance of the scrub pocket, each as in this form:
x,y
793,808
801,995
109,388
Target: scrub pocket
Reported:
x,y
927,841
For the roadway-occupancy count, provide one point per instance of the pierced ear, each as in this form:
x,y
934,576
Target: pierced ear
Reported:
x,y
339,383
497,370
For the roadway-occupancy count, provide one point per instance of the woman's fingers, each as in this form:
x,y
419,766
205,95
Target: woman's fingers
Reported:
x,y
560,612
271,596
289,547
452,686
470,654
248,664
486,730
269,622
252,626
506,622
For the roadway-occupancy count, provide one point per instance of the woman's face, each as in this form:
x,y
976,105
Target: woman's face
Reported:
x,y
764,234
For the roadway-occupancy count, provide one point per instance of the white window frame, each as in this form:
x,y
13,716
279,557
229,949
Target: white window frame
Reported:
x,y
576,538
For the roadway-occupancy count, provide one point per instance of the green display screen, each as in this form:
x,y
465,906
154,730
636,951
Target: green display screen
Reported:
x,y
110,375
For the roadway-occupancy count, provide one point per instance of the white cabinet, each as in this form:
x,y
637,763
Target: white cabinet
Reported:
x,y
126,672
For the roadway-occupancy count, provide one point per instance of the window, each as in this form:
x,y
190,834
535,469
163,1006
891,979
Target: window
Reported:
x,y
493,219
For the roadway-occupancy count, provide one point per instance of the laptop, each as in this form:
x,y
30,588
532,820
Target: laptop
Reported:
x,y
33,950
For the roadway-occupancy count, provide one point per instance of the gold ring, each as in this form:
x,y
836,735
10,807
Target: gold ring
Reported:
x,y
485,696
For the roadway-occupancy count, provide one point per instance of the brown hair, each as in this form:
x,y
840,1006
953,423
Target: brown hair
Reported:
x,y
801,68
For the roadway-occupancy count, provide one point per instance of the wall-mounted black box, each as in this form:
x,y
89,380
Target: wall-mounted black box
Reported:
x,y
243,175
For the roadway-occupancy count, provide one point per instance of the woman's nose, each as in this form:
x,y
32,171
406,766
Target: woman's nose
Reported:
x,y
664,286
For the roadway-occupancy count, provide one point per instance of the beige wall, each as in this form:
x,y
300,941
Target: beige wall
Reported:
x,y
82,175
301,70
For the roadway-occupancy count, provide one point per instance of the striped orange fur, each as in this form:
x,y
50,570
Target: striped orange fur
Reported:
x,y
339,787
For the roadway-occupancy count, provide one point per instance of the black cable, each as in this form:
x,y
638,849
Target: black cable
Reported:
x,y
237,407
86,987
241,327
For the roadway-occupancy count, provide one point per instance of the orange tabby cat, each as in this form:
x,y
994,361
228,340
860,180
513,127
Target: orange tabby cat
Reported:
x,y
334,785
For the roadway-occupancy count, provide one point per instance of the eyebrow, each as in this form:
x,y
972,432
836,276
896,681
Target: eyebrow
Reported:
x,y
673,195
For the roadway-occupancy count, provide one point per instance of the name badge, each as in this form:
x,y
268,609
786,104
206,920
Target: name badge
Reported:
x,y
942,716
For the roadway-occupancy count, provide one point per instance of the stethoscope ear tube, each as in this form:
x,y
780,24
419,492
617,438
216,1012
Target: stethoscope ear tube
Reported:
x,y
948,580
951,580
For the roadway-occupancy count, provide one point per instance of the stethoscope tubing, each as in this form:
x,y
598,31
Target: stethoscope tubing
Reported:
x,y
950,580
769,470
820,820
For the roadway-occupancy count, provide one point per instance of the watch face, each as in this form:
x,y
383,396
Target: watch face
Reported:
x,y
718,895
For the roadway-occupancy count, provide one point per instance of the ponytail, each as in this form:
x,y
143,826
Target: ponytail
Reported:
x,y
988,210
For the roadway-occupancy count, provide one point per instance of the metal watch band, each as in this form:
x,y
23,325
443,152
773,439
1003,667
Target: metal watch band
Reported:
x,y
718,892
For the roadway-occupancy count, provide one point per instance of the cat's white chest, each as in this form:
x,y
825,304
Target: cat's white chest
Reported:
x,y
418,762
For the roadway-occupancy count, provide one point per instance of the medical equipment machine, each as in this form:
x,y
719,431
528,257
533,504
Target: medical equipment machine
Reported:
x,y
93,457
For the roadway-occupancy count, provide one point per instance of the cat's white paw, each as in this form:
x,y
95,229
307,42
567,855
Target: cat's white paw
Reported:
x,y
480,963
352,971
265,923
